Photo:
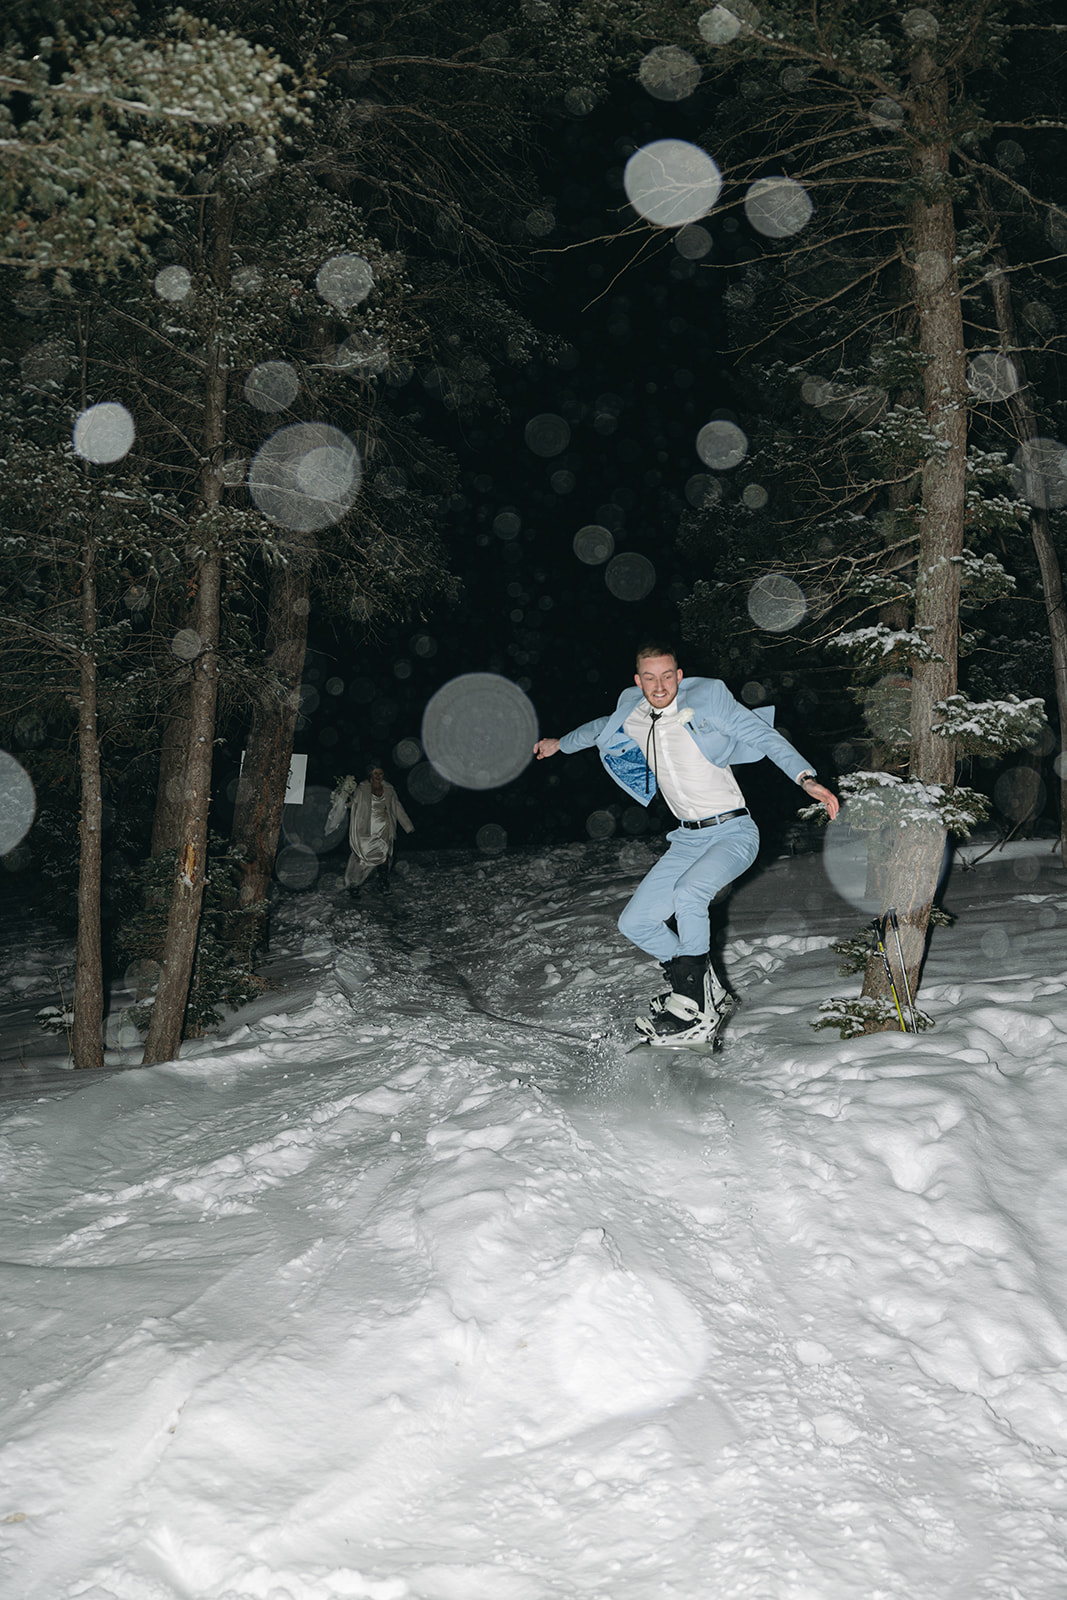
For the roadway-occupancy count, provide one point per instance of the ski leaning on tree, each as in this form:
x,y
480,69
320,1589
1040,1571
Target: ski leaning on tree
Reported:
x,y
681,737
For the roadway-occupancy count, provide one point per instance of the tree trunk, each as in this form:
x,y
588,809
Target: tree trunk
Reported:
x,y
1025,427
257,816
183,923
915,869
87,1044
170,788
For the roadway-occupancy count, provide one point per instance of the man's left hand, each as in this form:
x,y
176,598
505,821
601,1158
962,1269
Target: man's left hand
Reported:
x,y
824,796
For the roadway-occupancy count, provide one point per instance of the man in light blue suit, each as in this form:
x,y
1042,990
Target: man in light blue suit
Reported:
x,y
681,737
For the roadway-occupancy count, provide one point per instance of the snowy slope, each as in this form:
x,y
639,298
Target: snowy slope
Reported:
x,y
418,1285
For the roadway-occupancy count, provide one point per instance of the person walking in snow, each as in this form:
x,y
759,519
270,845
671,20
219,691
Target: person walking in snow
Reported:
x,y
681,736
374,811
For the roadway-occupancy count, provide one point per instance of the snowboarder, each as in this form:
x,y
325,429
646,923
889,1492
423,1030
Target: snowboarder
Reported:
x,y
681,736
374,811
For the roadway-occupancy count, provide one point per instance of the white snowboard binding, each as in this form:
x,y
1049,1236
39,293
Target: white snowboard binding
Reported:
x,y
679,1017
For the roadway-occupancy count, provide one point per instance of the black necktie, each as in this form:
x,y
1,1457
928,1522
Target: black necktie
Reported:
x,y
652,747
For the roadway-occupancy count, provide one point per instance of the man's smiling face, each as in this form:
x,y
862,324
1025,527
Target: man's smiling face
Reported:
x,y
658,678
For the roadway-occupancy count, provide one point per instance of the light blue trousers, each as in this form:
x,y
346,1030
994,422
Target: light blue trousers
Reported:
x,y
683,883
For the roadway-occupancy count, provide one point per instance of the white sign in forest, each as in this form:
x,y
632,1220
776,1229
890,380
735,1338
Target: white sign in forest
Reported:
x,y
296,781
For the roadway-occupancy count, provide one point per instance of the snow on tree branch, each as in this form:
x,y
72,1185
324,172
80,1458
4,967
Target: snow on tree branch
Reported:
x,y
882,647
876,800
991,727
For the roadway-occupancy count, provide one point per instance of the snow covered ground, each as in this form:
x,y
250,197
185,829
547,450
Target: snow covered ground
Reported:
x,y
408,1287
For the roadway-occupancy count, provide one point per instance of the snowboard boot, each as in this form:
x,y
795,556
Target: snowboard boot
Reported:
x,y
694,1008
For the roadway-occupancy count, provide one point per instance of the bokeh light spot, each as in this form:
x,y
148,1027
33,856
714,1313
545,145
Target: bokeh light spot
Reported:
x,y
671,182
407,752
996,943
600,825
296,866
363,354
426,785
1056,228
547,434
693,242
794,78
479,731
580,101
778,207
630,576
920,25
304,825
754,496
1019,793
723,23
173,283
885,114
703,490
1039,473
344,281
326,473
48,362
491,839
104,433
141,977
887,709
845,862
721,445
593,544
272,386
1040,317
776,603
507,525
540,222
18,803
247,280
1010,154
992,376
186,644
669,73
306,476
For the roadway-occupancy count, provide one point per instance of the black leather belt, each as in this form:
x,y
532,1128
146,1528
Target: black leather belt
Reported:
x,y
711,822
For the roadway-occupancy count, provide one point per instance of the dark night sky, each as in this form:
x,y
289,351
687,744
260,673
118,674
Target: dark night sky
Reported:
x,y
643,372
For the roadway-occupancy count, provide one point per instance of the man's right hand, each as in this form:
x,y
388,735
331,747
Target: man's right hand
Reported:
x,y
546,747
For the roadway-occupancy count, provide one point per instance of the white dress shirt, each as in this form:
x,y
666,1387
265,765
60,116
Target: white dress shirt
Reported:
x,y
692,785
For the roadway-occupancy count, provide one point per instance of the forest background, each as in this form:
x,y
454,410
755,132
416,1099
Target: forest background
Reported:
x,y
360,322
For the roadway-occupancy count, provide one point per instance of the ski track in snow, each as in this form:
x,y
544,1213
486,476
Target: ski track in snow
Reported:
x,y
419,1284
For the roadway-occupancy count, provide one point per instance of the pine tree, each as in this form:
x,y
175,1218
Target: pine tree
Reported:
x,y
278,282
101,123
844,139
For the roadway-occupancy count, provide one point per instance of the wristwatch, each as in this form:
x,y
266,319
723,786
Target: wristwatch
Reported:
x,y
806,777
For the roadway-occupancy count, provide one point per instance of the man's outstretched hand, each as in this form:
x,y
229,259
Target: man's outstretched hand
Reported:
x,y
825,797
546,747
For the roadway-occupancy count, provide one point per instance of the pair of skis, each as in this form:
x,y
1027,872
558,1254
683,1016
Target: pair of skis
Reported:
x,y
878,928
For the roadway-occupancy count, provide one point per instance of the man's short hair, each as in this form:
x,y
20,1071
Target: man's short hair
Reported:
x,y
656,647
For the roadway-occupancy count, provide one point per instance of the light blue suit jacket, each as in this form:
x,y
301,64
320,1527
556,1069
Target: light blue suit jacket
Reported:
x,y
725,731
